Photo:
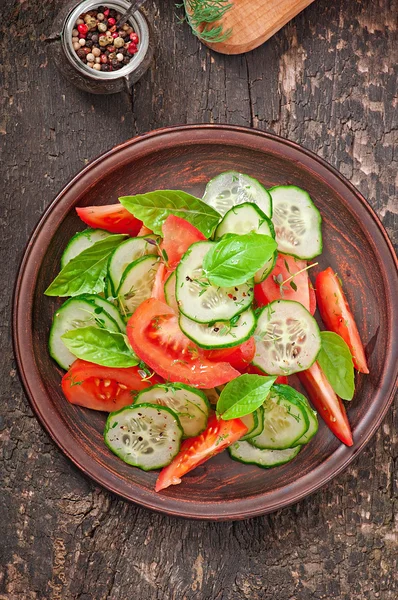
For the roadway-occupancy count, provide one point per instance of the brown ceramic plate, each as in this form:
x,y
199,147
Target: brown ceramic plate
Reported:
x,y
355,245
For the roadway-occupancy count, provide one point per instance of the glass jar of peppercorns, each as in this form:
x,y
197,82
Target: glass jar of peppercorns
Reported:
x,y
94,53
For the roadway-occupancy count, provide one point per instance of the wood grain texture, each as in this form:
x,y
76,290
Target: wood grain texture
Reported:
x,y
326,80
252,22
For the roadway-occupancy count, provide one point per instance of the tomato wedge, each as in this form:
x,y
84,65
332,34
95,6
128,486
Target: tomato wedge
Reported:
x,y
156,337
158,285
112,217
270,290
329,406
239,356
337,316
103,388
178,236
195,451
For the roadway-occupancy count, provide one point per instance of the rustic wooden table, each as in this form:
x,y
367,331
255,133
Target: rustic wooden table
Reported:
x,y
326,81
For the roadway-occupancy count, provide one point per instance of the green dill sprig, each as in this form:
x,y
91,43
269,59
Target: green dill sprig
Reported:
x,y
201,14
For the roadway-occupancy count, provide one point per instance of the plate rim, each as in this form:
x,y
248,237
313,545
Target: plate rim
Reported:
x,y
214,511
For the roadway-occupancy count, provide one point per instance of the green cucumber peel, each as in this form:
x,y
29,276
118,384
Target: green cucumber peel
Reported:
x,y
153,209
236,258
85,274
101,347
336,362
243,395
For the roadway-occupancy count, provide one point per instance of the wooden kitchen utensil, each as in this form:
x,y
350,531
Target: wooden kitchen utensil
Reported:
x,y
255,21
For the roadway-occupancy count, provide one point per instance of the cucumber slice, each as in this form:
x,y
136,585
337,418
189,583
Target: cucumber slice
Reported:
x,y
231,188
81,241
259,417
297,222
74,313
170,291
192,419
136,284
285,421
145,436
244,452
220,334
108,289
245,218
198,299
312,417
287,338
108,307
127,253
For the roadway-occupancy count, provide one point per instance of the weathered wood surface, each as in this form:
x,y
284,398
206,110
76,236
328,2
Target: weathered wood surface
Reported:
x,y
327,81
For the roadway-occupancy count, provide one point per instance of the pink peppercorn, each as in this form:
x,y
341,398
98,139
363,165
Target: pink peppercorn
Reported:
x,y
82,29
132,48
134,38
111,21
111,48
115,35
104,58
106,12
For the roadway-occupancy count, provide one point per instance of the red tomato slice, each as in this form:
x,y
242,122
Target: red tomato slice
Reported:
x,y
269,290
156,337
144,231
337,316
178,236
103,388
113,218
252,369
312,297
325,401
158,285
217,436
239,356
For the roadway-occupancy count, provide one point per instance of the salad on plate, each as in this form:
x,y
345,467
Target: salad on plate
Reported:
x,y
184,318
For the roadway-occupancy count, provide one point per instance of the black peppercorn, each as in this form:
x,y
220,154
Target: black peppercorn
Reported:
x,y
115,64
81,54
89,43
112,13
89,35
101,9
104,67
94,38
126,60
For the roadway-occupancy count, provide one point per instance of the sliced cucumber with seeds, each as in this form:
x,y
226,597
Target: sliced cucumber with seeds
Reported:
x,y
75,313
127,253
311,414
231,188
246,453
258,418
285,421
297,222
170,291
81,241
145,436
108,307
222,334
198,299
287,338
246,218
193,420
136,284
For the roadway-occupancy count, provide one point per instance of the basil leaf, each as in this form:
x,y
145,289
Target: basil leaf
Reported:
x,y
100,346
235,259
153,209
85,273
336,362
243,395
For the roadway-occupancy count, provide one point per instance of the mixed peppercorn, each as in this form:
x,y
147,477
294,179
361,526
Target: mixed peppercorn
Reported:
x,y
99,44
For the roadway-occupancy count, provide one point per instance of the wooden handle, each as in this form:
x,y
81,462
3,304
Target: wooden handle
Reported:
x,y
255,21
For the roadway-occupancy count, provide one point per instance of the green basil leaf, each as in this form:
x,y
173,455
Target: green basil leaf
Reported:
x,y
243,395
235,259
100,346
153,209
336,362
85,273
